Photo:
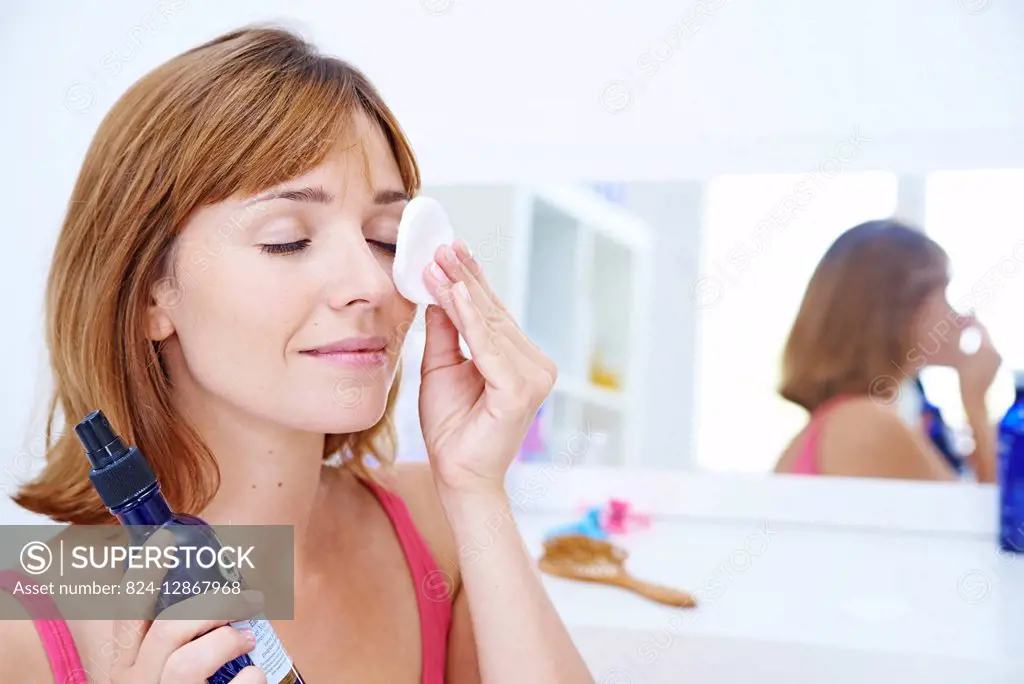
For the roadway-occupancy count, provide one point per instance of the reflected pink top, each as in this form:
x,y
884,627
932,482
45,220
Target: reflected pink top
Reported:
x,y
808,460
433,597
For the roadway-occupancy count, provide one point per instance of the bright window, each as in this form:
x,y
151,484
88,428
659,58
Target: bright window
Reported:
x,y
978,217
762,237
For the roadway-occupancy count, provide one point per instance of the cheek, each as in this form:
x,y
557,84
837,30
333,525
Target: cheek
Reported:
x,y
938,324
400,311
230,319
926,324
403,319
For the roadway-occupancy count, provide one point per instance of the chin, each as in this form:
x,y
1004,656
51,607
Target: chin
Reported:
x,y
342,418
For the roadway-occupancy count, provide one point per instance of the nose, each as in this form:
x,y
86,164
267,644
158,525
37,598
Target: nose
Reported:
x,y
357,276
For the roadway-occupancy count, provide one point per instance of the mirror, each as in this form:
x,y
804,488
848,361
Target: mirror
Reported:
x,y
667,305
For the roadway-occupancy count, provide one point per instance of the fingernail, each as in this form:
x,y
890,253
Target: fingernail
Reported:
x,y
470,264
449,255
460,289
465,248
437,272
250,638
253,596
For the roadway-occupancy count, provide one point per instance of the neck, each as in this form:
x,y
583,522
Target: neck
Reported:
x,y
269,474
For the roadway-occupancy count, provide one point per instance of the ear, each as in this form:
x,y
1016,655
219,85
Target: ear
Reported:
x,y
167,295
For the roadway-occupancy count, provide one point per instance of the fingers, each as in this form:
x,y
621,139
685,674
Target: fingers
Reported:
x,y
250,675
503,354
467,260
441,347
460,265
199,659
137,602
493,353
172,631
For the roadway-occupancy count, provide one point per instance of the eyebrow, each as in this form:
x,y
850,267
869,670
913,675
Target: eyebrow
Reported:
x,y
317,195
390,196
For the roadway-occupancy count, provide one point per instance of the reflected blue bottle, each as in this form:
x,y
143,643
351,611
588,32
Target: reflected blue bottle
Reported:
x,y
1011,473
130,491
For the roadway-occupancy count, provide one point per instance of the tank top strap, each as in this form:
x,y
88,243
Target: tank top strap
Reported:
x,y
433,586
65,663
808,461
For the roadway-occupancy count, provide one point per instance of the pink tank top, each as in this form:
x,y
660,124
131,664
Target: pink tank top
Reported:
x,y
433,598
808,460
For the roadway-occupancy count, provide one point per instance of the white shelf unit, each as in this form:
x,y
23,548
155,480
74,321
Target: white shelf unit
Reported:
x,y
574,269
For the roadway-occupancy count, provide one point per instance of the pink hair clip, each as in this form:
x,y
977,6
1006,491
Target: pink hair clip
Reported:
x,y
617,517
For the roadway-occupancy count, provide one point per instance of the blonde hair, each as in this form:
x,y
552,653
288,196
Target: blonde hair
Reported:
x,y
859,312
238,114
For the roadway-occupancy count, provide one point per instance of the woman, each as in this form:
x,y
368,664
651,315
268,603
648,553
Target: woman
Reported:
x,y
221,289
875,312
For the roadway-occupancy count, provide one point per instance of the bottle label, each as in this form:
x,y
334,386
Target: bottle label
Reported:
x,y
268,654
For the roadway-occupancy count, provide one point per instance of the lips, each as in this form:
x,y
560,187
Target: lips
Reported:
x,y
351,345
361,351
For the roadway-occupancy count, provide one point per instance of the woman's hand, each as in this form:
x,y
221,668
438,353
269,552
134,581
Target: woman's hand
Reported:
x,y
977,371
173,652
475,412
179,646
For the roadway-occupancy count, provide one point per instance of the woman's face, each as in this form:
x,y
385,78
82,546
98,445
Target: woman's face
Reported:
x,y
938,330
282,305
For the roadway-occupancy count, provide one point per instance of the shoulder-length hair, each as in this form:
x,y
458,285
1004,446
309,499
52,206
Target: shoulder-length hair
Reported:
x,y
239,114
857,322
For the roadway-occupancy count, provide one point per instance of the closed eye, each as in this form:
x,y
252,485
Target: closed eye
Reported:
x,y
286,247
387,247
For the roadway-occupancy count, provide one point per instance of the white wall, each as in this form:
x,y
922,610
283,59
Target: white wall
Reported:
x,y
528,90
674,211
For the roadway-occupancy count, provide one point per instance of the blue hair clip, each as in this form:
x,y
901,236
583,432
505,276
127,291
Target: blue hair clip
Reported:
x,y
589,525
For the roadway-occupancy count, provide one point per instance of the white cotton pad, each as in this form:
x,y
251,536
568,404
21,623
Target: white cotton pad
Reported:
x,y
970,340
424,227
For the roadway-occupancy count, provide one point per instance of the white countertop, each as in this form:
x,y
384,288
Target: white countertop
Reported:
x,y
885,595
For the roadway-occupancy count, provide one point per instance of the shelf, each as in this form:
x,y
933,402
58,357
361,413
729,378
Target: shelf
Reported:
x,y
611,308
588,393
597,213
582,433
551,284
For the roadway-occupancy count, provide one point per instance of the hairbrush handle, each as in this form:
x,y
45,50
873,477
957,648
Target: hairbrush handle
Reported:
x,y
657,592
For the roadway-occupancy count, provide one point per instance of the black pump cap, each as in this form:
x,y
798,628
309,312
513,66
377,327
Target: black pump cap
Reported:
x,y
102,445
119,473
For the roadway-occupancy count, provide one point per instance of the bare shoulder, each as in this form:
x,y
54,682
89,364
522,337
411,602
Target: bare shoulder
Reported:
x,y
414,482
863,416
22,658
785,462
864,438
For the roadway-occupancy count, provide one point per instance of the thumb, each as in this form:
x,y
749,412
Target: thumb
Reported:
x,y
441,348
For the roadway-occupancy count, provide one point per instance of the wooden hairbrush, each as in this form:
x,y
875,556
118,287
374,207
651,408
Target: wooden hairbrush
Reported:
x,y
579,557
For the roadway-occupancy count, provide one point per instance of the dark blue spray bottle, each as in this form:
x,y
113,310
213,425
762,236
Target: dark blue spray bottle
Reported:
x,y
130,491
1011,473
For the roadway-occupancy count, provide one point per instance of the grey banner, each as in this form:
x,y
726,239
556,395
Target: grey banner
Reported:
x,y
175,572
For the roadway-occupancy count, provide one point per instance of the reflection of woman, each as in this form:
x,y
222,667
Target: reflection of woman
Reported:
x,y
221,289
875,312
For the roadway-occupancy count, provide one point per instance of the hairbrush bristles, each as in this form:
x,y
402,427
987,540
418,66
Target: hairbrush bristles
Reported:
x,y
577,556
